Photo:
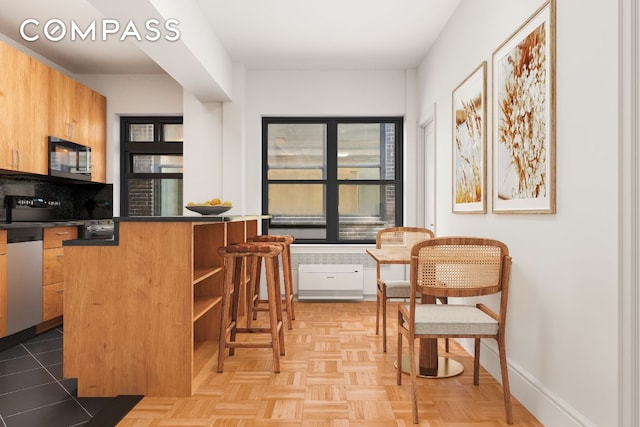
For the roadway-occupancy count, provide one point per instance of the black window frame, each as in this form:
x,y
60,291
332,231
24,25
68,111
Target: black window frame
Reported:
x,y
129,149
332,181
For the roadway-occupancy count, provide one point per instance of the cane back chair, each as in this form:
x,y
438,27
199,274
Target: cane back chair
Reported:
x,y
394,237
456,267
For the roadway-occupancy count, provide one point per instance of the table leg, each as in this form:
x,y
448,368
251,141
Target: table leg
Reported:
x,y
444,367
428,357
430,365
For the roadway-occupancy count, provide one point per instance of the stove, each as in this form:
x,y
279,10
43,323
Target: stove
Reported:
x,y
31,209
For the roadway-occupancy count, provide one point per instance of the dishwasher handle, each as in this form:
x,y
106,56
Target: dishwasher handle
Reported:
x,y
24,234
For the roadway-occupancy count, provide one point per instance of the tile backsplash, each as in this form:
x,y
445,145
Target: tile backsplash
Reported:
x,y
80,200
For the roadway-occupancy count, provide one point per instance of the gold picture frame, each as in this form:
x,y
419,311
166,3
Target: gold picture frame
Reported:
x,y
523,100
469,145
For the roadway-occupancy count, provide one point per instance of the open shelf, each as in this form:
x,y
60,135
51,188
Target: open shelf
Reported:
x,y
202,305
202,273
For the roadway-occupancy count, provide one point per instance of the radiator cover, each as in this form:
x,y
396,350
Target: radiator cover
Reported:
x,y
330,282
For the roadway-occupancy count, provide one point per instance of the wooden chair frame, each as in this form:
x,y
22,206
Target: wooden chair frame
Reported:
x,y
408,236
429,280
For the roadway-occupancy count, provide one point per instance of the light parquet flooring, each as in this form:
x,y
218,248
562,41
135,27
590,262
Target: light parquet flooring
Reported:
x,y
334,374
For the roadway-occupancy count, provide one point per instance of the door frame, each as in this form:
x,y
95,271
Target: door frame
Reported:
x,y
426,188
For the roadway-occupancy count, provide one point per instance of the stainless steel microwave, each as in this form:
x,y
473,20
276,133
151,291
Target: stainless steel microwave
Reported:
x,y
69,160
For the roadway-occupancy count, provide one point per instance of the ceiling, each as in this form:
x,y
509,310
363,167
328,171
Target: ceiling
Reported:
x,y
261,34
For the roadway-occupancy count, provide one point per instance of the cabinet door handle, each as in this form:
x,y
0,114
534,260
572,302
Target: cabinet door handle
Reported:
x,y
62,233
59,291
59,256
18,157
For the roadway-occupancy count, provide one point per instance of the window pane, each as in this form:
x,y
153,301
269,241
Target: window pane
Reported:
x,y
141,132
297,204
172,132
149,163
155,197
311,233
280,174
331,179
364,209
366,151
298,148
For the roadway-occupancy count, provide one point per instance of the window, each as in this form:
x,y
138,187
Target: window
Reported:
x,y
151,166
332,180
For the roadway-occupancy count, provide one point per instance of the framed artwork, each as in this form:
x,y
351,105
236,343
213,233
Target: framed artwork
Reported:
x,y
469,112
523,100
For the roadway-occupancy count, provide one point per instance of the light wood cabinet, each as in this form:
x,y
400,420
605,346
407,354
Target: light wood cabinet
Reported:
x,y
24,91
155,312
53,270
63,118
3,283
78,114
37,101
97,137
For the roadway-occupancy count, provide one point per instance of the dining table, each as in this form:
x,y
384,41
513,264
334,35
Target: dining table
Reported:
x,y
430,363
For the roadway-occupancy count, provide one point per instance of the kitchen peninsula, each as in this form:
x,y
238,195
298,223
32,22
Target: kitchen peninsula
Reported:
x,y
142,311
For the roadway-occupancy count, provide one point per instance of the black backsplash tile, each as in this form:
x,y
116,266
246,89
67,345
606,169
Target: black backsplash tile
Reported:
x,y
81,200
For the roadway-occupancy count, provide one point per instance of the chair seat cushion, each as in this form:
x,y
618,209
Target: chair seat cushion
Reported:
x,y
452,319
397,288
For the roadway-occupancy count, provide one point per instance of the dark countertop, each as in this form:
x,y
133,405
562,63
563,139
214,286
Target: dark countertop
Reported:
x,y
48,224
190,218
199,218
187,218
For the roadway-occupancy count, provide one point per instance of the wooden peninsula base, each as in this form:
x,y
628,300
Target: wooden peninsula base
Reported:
x,y
141,313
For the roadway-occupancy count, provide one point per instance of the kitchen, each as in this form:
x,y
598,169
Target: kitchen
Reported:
x,y
226,162
47,183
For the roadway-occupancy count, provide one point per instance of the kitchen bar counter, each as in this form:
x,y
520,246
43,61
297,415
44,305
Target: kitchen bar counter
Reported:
x,y
160,219
142,315
190,218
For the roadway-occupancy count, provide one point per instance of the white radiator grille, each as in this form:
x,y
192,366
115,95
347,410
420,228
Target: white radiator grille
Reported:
x,y
330,281
354,258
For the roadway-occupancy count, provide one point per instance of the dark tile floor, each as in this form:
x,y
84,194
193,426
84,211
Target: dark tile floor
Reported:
x,y
33,391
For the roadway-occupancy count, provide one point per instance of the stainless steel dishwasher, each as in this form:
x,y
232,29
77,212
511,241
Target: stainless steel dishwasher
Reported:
x,y
24,278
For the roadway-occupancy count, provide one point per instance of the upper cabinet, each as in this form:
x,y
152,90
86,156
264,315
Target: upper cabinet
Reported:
x,y
62,99
37,101
78,114
24,91
98,137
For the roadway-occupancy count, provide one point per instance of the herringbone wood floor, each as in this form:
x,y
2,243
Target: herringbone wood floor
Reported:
x,y
334,374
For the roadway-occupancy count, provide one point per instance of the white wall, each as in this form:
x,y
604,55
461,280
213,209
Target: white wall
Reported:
x,y
202,151
234,150
320,93
563,322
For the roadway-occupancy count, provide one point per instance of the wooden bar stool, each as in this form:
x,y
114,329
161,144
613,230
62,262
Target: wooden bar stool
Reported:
x,y
254,303
251,255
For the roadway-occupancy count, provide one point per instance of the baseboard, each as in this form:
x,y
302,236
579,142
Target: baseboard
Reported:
x,y
545,405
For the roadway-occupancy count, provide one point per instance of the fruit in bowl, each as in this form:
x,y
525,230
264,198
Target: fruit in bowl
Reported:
x,y
214,206
213,202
